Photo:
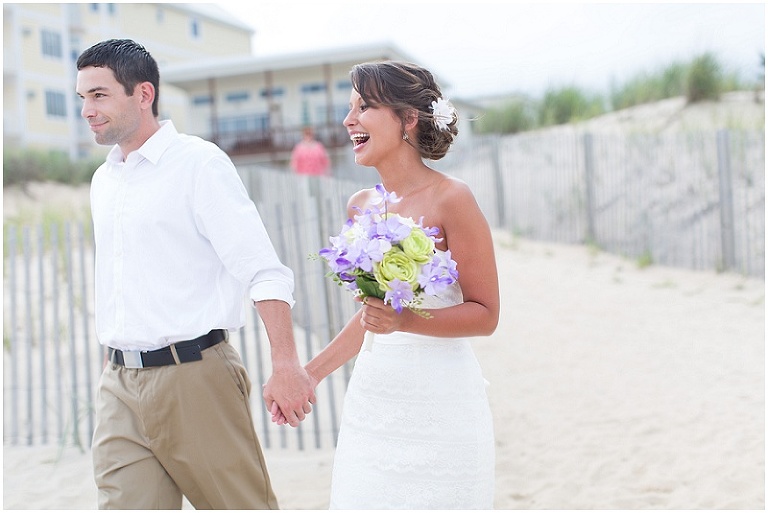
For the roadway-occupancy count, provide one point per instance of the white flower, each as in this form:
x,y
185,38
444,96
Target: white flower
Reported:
x,y
442,113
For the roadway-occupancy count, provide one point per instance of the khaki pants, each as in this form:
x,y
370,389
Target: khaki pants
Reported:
x,y
180,429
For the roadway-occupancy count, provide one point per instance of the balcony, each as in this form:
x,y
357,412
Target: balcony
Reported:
x,y
278,140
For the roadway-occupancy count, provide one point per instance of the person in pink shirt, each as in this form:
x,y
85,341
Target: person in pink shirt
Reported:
x,y
309,156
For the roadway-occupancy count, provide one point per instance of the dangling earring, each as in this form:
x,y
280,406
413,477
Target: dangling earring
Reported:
x,y
405,136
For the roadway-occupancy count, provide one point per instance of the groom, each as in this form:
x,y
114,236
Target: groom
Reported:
x,y
178,246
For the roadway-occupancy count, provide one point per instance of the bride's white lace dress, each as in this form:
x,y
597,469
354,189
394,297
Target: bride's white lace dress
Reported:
x,y
416,429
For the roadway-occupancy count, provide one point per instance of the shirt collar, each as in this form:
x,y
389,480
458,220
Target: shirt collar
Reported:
x,y
153,148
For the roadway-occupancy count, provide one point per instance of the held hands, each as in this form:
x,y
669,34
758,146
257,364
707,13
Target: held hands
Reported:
x,y
279,418
289,395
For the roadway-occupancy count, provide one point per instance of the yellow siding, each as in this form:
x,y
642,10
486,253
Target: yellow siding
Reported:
x,y
169,39
177,42
43,129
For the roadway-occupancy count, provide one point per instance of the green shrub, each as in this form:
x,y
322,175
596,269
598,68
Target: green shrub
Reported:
x,y
516,116
645,259
705,79
20,167
635,92
651,87
672,81
24,166
568,104
701,79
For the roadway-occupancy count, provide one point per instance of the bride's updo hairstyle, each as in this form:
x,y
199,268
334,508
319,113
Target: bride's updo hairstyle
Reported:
x,y
402,87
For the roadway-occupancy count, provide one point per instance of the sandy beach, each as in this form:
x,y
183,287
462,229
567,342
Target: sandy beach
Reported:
x,y
612,387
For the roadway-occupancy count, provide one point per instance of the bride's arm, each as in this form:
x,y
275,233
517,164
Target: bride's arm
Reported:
x,y
346,344
341,349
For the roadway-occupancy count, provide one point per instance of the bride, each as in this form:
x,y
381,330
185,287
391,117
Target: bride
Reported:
x,y
416,429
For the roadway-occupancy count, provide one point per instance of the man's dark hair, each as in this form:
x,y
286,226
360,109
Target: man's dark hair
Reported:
x,y
130,62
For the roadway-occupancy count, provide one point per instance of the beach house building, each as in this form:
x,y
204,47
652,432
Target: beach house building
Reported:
x,y
256,107
211,83
41,43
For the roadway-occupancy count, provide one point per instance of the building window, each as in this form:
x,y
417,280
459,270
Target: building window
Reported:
x,y
241,124
51,42
344,85
239,96
194,28
94,7
160,15
339,113
322,116
305,113
111,9
74,48
55,104
204,99
313,88
274,92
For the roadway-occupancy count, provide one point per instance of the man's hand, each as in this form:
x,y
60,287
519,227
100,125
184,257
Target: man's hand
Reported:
x,y
289,395
289,388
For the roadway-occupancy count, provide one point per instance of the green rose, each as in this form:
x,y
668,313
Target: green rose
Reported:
x,y
418,246
396,264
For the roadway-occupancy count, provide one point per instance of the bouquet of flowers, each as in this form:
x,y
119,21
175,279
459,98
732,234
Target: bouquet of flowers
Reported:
x,y
390,257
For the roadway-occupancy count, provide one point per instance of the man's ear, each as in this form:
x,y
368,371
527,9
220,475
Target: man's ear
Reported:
x,y
147,94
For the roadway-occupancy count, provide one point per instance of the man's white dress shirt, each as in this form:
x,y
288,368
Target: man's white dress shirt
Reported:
x,y
179,244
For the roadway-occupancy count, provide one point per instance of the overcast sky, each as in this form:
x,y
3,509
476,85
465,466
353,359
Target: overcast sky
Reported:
x,y
485,48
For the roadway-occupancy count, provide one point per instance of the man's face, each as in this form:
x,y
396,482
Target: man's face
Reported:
x,y
114,117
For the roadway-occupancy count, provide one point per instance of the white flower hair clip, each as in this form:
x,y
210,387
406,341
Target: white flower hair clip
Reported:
x,y
443,113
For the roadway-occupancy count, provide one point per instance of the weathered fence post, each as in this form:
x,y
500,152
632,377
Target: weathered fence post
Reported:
x,y
56,340
28,333
727,229
86,329
13,337
303,291
72,340
498,180
41,342
589,187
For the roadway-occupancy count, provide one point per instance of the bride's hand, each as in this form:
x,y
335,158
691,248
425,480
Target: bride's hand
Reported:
x,y
380,318
277,414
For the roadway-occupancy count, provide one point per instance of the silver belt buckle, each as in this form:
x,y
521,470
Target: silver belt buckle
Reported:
x,y
132,360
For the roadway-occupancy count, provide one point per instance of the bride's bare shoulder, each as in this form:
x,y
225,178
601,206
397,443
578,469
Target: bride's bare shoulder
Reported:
x,y
453,189
360,200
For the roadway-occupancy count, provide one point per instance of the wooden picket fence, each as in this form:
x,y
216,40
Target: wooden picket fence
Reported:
x,y
693,200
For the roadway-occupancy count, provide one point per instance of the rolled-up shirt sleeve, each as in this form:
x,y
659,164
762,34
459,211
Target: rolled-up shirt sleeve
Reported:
x,y
229,219
273,289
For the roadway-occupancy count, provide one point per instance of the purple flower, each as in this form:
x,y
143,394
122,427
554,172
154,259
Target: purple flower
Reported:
x,y
399,295
385,197
363,253
365,224
393,229
448,264
432,232
336,259
433,285
376,248
438,274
